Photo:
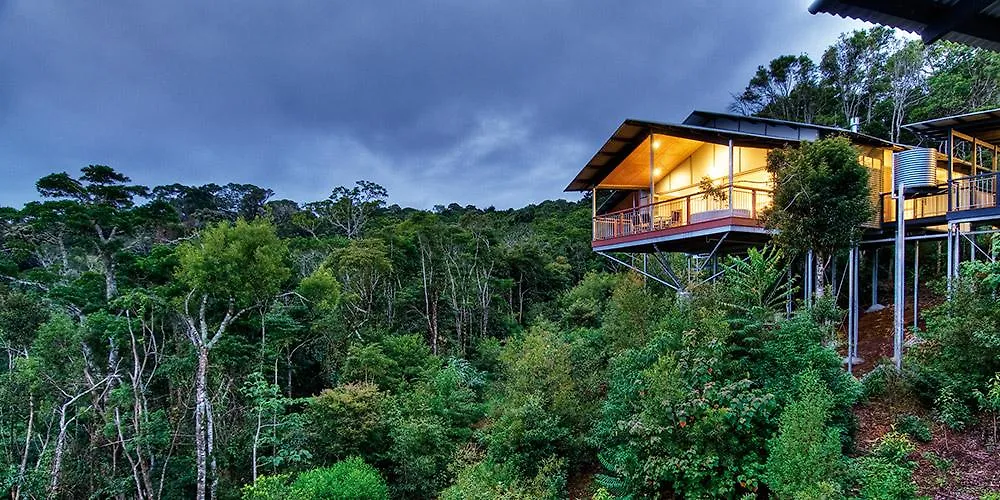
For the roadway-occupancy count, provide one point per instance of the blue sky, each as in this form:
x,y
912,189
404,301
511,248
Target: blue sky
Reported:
x,y
486,102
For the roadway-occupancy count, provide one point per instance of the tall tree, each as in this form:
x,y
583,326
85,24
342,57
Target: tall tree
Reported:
x,y
907,82
821,199
786,89
853,67
228,270
105,213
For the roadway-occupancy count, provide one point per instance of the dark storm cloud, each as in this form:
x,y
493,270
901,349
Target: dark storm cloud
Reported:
x,y
484,102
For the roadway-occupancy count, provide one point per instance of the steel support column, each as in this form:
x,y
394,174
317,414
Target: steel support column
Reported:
x,y
875,278
916,281
899,279
853,289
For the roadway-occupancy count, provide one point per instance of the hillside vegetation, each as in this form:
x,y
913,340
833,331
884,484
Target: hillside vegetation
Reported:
x,y
209,342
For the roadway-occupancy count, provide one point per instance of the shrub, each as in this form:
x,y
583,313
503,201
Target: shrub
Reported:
x,y
951,410
419,453
488,480
541,364
346,421
883,480
887,473
524,434
391,363
350,479
268,488
913,426
884,379
805,459
894,447
958,356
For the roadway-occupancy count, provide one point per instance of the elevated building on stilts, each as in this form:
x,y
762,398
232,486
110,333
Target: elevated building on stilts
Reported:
x,y
699,187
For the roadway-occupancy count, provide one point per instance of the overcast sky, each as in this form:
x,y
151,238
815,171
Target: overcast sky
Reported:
x,y
477,102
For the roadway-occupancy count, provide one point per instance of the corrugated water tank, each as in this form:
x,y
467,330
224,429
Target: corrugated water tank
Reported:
x,y
917,169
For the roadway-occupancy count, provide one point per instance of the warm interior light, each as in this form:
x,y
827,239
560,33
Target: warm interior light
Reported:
x,y
656,144
656,172
715,171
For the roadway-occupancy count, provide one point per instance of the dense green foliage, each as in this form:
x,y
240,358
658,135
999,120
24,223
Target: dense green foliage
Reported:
x,y
821,198
350,479
207,341
877,77
956,368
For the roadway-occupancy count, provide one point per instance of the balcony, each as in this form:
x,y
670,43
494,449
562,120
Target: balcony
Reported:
x,y
676,215
968,195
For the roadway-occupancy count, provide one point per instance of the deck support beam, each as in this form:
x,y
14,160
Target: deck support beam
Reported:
x,y
636,269
900,276
853,289
916,282
712,253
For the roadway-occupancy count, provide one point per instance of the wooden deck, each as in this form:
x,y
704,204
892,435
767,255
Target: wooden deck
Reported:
x,y
696,222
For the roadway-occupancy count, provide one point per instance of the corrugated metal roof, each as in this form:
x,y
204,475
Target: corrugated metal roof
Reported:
x,y
971,22
983,125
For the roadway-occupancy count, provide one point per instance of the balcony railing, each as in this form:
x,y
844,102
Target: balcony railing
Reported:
x,y
915,208
681,211
975,192
967,193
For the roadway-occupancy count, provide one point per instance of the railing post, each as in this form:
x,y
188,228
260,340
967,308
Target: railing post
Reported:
x,y
687,210
753,203
996,192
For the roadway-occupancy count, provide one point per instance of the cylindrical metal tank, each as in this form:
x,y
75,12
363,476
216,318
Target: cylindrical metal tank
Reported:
x,y
917,169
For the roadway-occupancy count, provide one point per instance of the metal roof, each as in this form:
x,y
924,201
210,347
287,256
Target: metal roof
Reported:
x,y
983,125
631,133
704,118
971,22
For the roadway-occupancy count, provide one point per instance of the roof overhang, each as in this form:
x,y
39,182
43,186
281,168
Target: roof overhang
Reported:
x,y
983,125
971,22
631,133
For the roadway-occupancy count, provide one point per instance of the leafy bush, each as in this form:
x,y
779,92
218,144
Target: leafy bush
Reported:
x,y
883,380
887,473
419,453
989,401
391,363
524,434
913,426
489,480
350,479
805,459
894,447
675,419
958,357
346,421
951,410
691,410
268,488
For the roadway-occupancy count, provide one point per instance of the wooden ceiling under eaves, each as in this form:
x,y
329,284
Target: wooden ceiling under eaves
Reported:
x,y
633,171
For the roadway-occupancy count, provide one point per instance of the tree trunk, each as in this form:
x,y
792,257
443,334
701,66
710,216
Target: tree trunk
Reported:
x,y
820,283
57,454
27,446
200,413
110,283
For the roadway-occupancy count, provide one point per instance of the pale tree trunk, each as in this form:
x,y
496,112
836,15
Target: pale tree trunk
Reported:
x,y
204,424
110,283
430,297
819,285
60,446
27,446
201,401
